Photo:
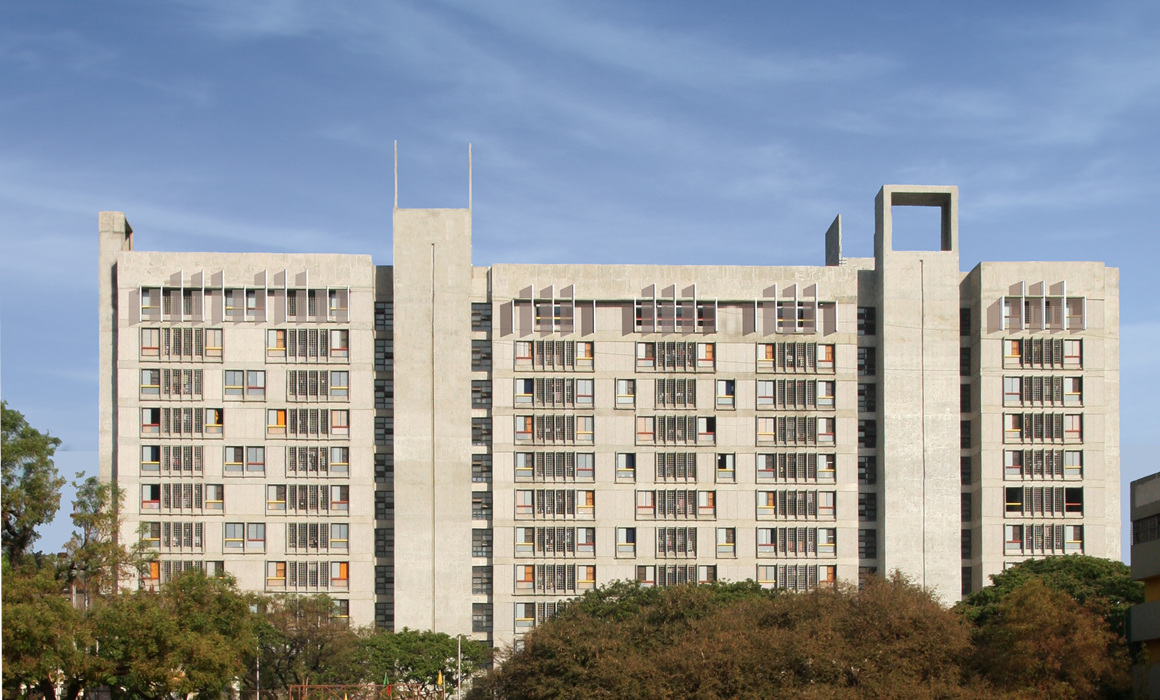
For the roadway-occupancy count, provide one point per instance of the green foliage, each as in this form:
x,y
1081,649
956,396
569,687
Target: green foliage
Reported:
x,y
300,641
30,482
416,658
98,562
1104,585
46,639
191,637
739,641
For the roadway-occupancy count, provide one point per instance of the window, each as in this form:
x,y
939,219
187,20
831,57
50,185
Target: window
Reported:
x,y
584,355
481,617
964,362
525,503
646,355
965,434
339,460
1073,427
481,468
726,542
726,468
1072,464
1014,500
626,466
235,536
645,504
524,391
339,385
867,398
213,421
525,462
276,421
726,393
255,460
626,541
625,393
150,342
150,383
645,429
525,616
827,541
707,503
584,393
868,507
523,428
340,422
867,320
867,362
867,469
275,574
523,353
256,537
1073,500
276,497
340,343
234,460
584,429
825,397
480,356
965,470
965,545
707,430
868,433
867,544
1073,538
1073,353
234,383
766,398
481,505
1013,539
255,384
965,321
150,497
481,543
825,431
1012,427
705,355
150,458
1073,391
339,497
964,398
1012,391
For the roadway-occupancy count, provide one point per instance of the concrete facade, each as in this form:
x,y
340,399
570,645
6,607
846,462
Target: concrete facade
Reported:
x,y
519,434
1144,619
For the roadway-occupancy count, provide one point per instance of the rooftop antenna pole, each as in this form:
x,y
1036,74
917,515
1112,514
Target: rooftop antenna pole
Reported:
x,y
469,177
396,173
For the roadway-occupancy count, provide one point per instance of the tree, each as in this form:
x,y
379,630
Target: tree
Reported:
x,y
98,561
1103,585
417,658
46,639
191,637
891,640
31,484
299,640
1041,643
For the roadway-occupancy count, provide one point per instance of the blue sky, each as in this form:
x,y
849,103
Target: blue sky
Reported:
x,y
668,132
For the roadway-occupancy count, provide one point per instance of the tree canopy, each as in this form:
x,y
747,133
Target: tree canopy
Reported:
x,y
1103,584
30,482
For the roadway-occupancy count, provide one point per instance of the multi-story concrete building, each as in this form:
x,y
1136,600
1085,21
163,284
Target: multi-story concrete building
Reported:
x,y
438,445
1144,620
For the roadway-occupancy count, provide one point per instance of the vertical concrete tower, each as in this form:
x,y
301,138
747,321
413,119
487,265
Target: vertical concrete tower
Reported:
x,y
919,347
432,297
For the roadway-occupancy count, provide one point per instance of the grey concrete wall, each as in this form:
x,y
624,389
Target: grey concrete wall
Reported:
x,y
919,318
432,288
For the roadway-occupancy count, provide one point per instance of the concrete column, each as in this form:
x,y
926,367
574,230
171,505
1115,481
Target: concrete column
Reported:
x,y
115,235
432,297
919,368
